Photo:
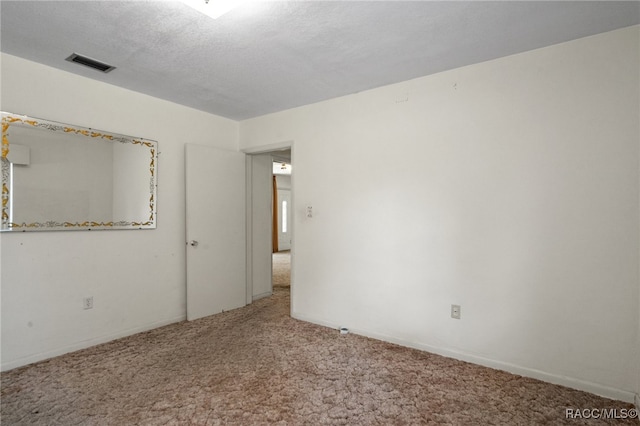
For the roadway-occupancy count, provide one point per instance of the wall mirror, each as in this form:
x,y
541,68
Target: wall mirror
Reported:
x,y
58,176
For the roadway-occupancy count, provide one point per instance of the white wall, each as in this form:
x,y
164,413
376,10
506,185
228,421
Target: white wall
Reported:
x,y
261,212
283,181
509,187
637,397
137,278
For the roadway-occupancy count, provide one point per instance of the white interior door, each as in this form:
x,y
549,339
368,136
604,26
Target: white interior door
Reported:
x,y
284,219
215,229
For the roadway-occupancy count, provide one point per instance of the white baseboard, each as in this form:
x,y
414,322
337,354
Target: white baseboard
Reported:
x,y
594,388
86,344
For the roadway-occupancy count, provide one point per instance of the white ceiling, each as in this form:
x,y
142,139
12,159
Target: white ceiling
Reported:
x,y
273,55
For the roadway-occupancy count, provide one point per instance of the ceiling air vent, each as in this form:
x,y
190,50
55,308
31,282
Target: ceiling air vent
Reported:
x,y
88,62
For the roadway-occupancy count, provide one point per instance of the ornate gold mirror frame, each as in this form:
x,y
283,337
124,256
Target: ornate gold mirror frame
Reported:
x,y
57,176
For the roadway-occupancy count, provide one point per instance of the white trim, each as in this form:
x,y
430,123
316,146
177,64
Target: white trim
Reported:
x,y
249,228
88,343
263,149
573,383
294,232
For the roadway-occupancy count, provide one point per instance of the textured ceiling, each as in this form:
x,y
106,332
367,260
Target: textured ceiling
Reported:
x,y
273,55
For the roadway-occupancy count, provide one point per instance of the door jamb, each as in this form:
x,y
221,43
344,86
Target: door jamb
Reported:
x,y
264,149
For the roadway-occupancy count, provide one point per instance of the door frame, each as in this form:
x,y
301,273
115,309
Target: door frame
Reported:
x,y
266,149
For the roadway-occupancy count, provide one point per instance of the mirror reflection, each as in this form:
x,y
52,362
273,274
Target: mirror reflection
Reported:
x,y
64,177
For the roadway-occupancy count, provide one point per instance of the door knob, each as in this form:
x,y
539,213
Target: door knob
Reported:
x,y
193,243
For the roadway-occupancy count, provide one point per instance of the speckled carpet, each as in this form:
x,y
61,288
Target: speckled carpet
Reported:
x,y
281,262
258,366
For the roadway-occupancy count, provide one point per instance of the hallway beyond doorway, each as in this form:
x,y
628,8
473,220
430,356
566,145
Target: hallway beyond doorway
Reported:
x,y
282,268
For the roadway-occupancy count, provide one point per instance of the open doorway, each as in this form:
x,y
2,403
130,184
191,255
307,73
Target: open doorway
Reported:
x,y
270,225
281,271
281,220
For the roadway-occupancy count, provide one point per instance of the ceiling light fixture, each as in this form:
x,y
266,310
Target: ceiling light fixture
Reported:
x,y
281,168
213,8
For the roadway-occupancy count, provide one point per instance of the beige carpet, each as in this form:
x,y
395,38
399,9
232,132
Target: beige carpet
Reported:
x,y
281,269
257,366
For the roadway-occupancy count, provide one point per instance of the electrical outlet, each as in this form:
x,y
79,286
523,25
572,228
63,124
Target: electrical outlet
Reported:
x,y
87,302
455,311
